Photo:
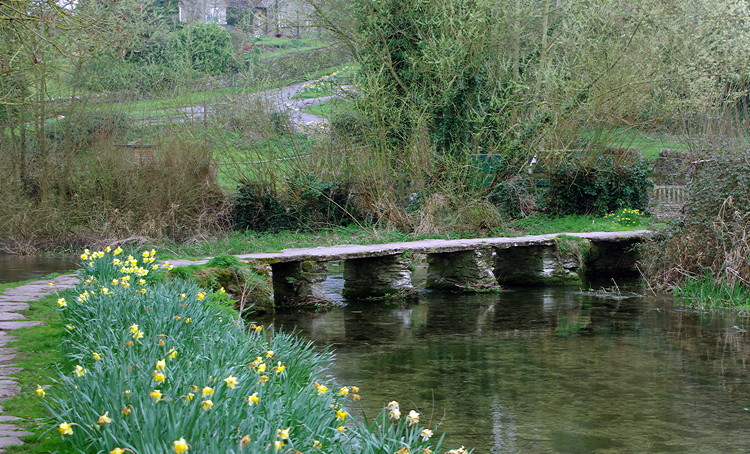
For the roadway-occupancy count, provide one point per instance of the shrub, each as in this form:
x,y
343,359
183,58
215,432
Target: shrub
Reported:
x,y
598,186
207,47
257,207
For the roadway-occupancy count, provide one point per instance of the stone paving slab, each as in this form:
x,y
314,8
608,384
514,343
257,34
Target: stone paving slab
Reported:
x,y
15,300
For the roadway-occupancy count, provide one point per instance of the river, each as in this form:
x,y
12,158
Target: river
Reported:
x,y
14,268
547,369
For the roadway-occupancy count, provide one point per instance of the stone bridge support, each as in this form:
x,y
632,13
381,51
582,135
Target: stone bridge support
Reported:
x,y
295,281
461,271
610,258
377,277
537,264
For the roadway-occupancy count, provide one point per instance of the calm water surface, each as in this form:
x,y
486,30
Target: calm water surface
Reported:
x,y
14,268
548,370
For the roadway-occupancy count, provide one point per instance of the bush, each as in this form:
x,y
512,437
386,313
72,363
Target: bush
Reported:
x,y
712,239
87,128
598,186
257,207
207,47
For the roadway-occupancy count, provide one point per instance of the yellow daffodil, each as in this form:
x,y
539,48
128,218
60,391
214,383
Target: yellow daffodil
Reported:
x,y
134,328
344,391
183,296
283,433
412,418
161,343
207,391
79,371
126,411
189,396
114,282
117,451
172,354
253,399
244,441
317,444
156,395
138,334
40,391
356,397
207,404
425,434
322,389
201,295
104,419
269,354
70,327
188,320
161,365
61,302
280,367
261,368
180,446
231,381
126,392
263,378
159,377
141,281
96,356
142,291
278,445
404,450
65,428
341,428
341,415
51,284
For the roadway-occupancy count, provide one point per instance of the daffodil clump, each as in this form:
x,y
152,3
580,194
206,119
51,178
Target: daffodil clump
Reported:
x,y
159,369
626,216
326,82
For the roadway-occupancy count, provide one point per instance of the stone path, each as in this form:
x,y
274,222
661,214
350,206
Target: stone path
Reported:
x,y
12,301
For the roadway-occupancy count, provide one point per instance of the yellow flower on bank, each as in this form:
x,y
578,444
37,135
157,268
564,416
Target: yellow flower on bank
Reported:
x,y
180,446
141,281
126,411
201,295
283,433
344,391
263,378
278,445
207,404
65,428
188,397
79,371
40,391
183,296
341,428
322,389
97,356
253,399
404,450
161,365
244,441
269,353
156,395
262,368
207,391
117,451
341,415
280,367
61,302
171,354
70,327
138,334
412,418
159,377
104,419
317,444
231,381
134,328
51,284
188,320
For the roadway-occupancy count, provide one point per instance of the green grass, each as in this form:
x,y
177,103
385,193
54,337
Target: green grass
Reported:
x,y
39,355
538,224
705,293
327,109
648,142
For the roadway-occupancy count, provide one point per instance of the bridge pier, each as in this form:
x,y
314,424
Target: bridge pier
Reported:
x,y
297,281
377,277
610,258
537,264
461,271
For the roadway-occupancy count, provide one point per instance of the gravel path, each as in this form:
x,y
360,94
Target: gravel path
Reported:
x,y
12,301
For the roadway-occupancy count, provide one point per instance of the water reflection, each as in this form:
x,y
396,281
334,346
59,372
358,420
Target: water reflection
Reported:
x,y
549,370
14,268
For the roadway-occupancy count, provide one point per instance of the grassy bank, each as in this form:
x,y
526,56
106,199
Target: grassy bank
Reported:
x,y
155,365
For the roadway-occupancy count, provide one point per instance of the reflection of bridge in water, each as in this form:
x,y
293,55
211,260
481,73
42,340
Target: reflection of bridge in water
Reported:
x,y
378,270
